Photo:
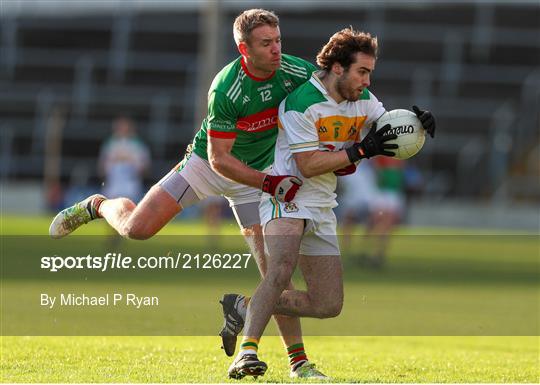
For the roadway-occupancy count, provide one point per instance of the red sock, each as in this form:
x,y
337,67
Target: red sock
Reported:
x,y
297,355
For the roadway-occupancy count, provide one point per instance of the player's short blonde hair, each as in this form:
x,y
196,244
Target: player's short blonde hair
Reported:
x,y
343,45
250,19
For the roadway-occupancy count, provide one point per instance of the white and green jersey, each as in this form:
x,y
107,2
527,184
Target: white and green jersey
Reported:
x,y
245,107
309,119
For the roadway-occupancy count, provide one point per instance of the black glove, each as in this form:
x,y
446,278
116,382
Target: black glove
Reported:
x,y
427,119
373,144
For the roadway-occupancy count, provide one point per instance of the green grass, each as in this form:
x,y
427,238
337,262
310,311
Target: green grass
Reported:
x,y
473,289
198,359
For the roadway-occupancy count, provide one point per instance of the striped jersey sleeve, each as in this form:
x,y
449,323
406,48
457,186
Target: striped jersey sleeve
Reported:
x,y
222,115
297,67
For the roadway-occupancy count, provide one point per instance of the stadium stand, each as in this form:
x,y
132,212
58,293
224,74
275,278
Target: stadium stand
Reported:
x,y
476,65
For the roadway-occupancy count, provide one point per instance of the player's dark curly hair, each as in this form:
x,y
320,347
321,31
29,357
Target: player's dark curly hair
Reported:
x,y
250,19
343,45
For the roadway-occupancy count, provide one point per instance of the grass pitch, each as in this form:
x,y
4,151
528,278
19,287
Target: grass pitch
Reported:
x,y
198,359
428,278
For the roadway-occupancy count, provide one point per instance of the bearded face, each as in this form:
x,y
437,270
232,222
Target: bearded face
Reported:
x,y
352,81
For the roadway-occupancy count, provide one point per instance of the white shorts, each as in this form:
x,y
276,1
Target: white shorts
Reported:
x,y
320,231
388,201
193,180
205,182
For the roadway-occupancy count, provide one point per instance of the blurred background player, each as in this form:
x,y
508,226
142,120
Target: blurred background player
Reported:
x,y
356,192
123,161
377,196
386,210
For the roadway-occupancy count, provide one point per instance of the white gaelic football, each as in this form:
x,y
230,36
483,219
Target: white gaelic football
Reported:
x,y
410,133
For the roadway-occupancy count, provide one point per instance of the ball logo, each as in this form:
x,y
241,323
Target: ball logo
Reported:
x,y
401,130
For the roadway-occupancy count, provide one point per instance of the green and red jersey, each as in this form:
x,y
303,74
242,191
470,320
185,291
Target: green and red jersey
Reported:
x,y
245,107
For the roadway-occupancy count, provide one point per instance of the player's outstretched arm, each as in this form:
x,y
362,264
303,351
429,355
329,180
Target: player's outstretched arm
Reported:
x,y
313,163
282,187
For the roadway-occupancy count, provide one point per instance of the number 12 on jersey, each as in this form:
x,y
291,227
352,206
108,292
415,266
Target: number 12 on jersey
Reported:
x,y
266,95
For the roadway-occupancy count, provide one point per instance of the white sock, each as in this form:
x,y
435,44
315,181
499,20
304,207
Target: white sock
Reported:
x,y
242,353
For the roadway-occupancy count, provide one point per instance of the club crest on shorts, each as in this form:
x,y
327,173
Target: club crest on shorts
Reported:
x,y
290,207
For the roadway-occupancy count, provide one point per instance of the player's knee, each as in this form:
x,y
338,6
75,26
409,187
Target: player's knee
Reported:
x,y
328,306
331,310
335,309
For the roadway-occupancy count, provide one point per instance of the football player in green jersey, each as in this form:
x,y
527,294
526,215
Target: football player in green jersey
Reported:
x,y
231,156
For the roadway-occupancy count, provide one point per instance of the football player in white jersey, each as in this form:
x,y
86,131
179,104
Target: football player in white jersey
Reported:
x,y
319,139
123,160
